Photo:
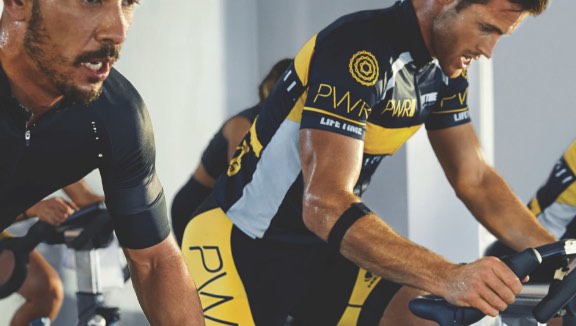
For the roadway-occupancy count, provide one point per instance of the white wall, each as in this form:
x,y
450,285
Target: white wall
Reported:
x,y
175,55
535,97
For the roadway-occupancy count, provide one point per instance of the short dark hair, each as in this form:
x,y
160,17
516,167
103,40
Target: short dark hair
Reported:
x,y
268,82
534,7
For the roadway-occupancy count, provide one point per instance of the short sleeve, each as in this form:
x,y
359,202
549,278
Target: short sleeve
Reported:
x,y
452,107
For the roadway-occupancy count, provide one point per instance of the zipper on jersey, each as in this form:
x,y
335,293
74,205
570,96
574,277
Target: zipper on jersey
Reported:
x,y
27,135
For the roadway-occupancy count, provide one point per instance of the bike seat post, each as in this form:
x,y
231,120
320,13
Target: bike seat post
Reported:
x,y
89,295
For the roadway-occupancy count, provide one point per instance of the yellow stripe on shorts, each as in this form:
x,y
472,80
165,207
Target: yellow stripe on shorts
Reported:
x,y
365,283
208,255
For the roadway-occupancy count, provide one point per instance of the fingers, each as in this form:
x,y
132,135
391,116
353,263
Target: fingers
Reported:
x,y
55,211
73,205
486,284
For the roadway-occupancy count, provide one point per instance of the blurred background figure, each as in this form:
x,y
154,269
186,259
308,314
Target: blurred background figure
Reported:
x,y
218,153
42,288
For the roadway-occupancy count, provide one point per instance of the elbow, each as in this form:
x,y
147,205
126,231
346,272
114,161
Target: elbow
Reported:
x,y
464,189
320,213
467,186
315,215
312,214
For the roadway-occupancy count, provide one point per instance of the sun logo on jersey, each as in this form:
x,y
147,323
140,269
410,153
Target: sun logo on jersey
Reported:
x,y
364,68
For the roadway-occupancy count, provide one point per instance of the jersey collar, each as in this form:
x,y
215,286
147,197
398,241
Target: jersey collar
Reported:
x,y
6,98
412,37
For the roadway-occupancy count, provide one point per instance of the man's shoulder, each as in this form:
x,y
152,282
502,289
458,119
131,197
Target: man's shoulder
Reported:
x,y
120,106
118,94
362,24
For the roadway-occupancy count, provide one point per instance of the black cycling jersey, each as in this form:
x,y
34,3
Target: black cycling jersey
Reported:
x,y
555,202
367,76
112,134
215,156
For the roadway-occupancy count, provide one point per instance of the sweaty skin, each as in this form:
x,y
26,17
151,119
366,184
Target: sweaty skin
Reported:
x,y
487,283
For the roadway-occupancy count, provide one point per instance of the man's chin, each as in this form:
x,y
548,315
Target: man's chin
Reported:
x,y
455,73
83,96
451,71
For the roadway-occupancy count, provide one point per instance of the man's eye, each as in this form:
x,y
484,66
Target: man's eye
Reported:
x,y
130,2
92,2
486,29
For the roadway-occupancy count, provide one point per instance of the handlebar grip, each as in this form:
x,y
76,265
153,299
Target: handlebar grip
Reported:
x,y
523,263
557,298
22,246
444,313
435,308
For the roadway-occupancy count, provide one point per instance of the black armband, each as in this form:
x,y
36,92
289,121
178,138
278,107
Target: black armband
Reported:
x,y
349,217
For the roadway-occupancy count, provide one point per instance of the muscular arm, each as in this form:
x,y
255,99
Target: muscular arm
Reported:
x,y
164,288
330,167
329,180
484,191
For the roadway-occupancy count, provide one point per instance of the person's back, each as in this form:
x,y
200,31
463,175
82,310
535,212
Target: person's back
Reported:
x,y
217,154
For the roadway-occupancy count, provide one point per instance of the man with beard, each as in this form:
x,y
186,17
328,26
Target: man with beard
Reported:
x,y
65,112
287,219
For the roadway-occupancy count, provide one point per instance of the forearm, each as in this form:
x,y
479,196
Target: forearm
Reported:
x,y
494,205
166,291
371,244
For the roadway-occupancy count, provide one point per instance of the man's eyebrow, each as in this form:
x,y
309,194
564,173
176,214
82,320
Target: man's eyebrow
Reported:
x,y
492,28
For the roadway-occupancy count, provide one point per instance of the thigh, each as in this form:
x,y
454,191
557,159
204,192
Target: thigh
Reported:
x,y
242,280
41,280
344,294
207,252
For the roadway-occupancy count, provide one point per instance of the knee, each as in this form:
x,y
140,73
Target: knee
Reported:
x,y
47,291
53,291
43,287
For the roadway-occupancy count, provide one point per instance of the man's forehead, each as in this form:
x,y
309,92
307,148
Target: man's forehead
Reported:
x,y
505,15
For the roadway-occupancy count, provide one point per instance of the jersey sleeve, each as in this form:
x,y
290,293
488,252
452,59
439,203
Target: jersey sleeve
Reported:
x,y
452,107
134,195
341,87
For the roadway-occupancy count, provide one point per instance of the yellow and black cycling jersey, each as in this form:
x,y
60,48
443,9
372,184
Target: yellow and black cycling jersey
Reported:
x,y
555,202
368,76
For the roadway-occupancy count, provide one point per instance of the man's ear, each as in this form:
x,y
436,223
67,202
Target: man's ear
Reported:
x,y
16,9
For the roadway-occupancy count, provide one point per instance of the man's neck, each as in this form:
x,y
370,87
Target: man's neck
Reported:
x,y
29,93
426,10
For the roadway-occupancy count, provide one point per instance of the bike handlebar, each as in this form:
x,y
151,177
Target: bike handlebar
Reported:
x,y
559,295
435,308
41,231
